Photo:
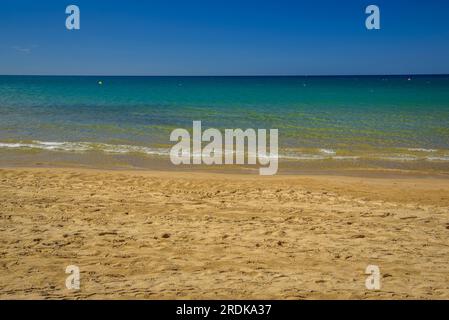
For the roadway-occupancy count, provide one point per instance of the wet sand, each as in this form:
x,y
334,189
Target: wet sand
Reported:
x,y
181,235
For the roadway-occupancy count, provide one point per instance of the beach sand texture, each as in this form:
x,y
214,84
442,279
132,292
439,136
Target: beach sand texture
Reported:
x,y
158,235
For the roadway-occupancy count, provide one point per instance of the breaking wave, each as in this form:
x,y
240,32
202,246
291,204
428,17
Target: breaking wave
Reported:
x,y
300,155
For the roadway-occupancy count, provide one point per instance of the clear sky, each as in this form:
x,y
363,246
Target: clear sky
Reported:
x,y
228,37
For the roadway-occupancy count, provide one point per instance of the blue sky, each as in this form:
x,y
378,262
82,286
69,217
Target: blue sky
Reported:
x,y
211,37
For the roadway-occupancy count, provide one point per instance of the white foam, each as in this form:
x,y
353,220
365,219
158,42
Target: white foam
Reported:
x,y
422,150
85,146
444,158
328,151
325,154
303,157
400,158
12,145
346,157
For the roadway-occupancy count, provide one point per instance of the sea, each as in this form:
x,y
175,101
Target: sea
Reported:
x,y
399,122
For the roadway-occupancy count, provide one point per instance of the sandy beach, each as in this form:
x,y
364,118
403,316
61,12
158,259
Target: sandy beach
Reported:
x,y
180,235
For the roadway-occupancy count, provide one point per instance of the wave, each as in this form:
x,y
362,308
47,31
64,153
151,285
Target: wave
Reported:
x,y
328,151
86,146
401,158
431,155
444,158
422,150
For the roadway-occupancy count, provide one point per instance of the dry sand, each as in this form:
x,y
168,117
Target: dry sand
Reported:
x,y
157,235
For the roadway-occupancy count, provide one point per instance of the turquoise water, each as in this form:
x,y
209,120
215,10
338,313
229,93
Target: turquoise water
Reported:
x,y
392,118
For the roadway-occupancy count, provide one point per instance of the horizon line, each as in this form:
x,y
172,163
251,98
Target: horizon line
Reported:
x,y
230,75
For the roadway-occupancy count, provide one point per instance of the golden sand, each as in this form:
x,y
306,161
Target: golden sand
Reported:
x,y
158,235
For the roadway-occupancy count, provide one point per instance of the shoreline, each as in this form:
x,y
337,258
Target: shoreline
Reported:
x,y
163,166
